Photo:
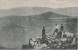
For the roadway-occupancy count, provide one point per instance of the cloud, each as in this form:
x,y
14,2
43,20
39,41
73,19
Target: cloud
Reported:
x,y
5,4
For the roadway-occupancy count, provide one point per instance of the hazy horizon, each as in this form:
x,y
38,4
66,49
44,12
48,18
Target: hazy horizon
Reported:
x,y
35,3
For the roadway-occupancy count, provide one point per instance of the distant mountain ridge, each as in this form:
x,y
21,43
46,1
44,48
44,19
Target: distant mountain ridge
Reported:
x,y
25,11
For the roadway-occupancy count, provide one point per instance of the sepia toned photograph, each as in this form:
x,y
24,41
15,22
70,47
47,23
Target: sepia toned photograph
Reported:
x,y
38,24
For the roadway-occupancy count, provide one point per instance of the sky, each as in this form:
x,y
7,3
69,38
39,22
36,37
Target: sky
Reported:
x,y
7,4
